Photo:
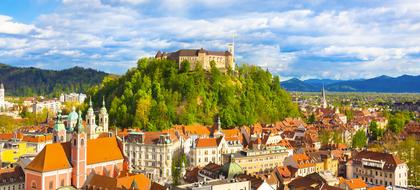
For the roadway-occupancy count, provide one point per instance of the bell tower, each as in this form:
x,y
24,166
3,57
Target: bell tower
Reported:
x,y
59,131
78,154
103,117
91,123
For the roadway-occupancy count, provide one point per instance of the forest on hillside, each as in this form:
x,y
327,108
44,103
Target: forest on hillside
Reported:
x,y
156,94
30,81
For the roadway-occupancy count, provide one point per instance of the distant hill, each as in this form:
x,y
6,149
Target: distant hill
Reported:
x,y
29,81
401,84
295,84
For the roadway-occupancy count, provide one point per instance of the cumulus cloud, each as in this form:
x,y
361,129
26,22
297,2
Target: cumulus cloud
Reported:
x,y
7,26
310,39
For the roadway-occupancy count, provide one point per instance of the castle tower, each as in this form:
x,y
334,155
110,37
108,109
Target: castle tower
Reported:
x,y
103,117
324,100
90,120
59,131
2,103
231,50
78,154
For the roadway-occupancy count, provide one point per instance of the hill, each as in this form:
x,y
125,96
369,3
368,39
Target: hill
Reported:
x,y
156,95
295,84
19,81
401,84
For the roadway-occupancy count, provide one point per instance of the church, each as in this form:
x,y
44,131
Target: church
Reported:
x,y
70,163
62,132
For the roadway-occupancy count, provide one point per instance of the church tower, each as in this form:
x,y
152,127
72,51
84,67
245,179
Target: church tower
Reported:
x,y
103,117
324,100
90,119
78,154
72,119
2,103
59,131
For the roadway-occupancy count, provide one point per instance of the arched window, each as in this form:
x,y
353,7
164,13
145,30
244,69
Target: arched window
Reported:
x,y
82,142
33,185
74,142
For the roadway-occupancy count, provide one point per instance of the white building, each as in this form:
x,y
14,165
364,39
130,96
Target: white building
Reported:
x,y
73,97
49,105
378,168
151,153
207,150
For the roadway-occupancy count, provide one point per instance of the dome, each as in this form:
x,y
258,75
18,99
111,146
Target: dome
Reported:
x,y
231,169
73,115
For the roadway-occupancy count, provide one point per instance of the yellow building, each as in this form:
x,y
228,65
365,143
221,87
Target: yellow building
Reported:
x,y
223,60
259,161
12,150
323,161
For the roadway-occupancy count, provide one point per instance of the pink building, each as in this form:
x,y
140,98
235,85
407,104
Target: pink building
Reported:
x,y
70,163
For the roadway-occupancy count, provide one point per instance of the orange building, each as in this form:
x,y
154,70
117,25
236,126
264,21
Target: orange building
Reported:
x,y
70,163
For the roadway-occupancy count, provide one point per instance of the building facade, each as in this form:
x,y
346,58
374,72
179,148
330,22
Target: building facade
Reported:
x,y
260,161
151,153
378,168
222,59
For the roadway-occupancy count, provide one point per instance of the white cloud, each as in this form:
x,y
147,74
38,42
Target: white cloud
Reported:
x,y
342,42
7,26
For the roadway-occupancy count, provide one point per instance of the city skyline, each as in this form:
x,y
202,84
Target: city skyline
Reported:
x,y
345,40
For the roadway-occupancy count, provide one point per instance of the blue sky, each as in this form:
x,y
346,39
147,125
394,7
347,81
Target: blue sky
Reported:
x,y
303,39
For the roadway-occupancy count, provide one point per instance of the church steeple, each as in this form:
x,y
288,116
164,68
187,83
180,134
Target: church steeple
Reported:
x,y
103,117
324,100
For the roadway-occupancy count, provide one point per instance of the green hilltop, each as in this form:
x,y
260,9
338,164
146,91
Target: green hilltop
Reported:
x,y
156,94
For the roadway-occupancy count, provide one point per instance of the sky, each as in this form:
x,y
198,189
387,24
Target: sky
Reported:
x,y
332,39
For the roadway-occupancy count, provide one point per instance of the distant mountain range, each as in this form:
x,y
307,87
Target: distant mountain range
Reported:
x,y
401,84
30,81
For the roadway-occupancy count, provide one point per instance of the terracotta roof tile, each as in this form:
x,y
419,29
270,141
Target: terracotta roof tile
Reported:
x,y
208,142
96,151
354,183
53,157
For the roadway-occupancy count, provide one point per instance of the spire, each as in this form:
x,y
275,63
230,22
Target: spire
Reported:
x,y
90,101
219,124
79,127
2,86
324,100
103,101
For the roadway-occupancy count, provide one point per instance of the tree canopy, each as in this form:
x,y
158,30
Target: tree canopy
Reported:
x,y
359,139
156,95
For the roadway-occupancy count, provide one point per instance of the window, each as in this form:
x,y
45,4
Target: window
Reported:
x,y
51,185
74,142
62,182
82,142
33,185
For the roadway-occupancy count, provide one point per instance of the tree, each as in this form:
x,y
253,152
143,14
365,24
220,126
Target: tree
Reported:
x,y
337,138
177,162
359,139
375,131
325,137
311,119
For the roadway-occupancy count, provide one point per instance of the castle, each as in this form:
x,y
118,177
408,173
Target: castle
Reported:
x,y
223,60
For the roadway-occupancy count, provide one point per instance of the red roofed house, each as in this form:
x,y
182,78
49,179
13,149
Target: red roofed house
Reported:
x,y
378,168
302,163
70,163
206,150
